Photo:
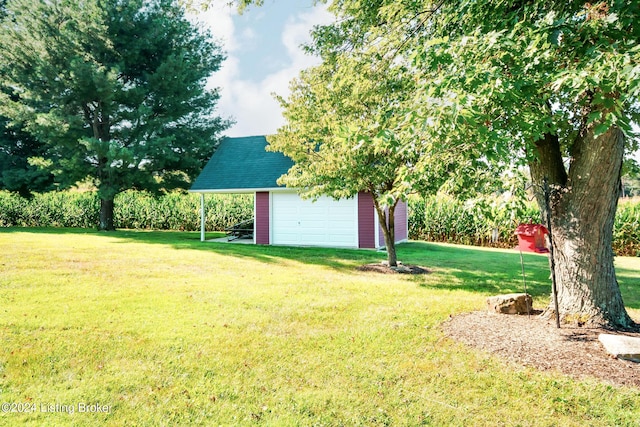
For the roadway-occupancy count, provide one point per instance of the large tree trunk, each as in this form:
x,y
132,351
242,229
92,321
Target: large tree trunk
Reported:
x,y
95,115
582,207
106,214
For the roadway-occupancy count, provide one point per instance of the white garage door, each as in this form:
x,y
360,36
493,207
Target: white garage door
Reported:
x,y
325,222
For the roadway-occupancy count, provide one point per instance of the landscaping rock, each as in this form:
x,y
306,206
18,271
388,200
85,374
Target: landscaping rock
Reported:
x,y
621,346
510,304
401,269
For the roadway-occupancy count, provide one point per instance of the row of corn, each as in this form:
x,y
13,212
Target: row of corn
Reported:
x,y
133,210
438,219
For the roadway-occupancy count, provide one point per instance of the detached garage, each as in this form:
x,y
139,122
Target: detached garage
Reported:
x,y
281,217
325,222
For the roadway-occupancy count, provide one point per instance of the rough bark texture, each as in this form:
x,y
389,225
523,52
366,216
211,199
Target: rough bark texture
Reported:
x,y
582,207
547,165
390,237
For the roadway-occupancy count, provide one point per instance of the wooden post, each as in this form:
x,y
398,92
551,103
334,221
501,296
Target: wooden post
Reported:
x,y
202,217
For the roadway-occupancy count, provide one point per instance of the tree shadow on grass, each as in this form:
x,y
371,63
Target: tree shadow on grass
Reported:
x,y
482,270
344,260
629,282
455,267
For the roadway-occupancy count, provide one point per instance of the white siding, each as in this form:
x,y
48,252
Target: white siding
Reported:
x,y
325,222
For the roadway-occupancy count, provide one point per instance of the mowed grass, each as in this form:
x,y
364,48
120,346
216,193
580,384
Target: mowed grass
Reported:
x,y
159,329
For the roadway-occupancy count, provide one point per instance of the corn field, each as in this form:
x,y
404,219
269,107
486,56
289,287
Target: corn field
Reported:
x,y
133,210
434,219
447,220
626,228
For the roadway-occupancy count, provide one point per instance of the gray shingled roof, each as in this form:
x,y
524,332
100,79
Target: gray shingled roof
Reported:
x,y
242,164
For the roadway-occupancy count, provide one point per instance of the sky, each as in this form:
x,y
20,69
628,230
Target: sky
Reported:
x,y
263,55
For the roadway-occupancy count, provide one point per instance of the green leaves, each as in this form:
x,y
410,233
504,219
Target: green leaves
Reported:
x,y
116,90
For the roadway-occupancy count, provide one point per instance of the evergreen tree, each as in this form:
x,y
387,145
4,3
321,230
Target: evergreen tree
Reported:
x,y
23,168
114,90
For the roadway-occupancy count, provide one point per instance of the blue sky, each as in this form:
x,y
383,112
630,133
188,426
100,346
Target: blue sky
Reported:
x,y
263,55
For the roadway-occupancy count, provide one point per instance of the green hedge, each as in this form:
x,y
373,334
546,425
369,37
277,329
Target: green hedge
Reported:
x,y
432,219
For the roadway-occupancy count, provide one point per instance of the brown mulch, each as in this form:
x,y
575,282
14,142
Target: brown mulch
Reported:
x,y
401,269
535,341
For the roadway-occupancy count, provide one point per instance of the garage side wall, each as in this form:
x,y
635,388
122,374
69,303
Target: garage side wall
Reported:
x,y
262,218
401,224
366,221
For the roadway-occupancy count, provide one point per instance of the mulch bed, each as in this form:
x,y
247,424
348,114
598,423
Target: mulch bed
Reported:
x,y
401,269
535,341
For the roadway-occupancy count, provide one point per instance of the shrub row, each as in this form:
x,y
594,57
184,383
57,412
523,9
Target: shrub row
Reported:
x,y
432,219
133,210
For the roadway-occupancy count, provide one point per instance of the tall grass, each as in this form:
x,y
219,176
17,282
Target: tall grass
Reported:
x,y
177,211
626,229
55,209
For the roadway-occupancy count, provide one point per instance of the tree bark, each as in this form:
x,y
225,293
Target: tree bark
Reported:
x,y
106,215
548,165
583,204
386,219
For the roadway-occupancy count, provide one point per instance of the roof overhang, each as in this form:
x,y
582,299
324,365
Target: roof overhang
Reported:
x,y
243,190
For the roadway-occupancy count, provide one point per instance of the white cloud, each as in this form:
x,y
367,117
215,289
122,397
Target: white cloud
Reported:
x,y
296,32
250,100
217,18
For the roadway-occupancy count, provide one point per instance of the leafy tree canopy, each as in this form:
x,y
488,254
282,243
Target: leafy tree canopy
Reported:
x,y
114,89
351,127
346,134
551,85
511,70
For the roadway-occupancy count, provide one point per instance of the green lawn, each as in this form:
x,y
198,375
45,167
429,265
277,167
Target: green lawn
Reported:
x,y
164,330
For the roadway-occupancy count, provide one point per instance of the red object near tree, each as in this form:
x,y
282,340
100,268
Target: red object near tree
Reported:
x,y
531,238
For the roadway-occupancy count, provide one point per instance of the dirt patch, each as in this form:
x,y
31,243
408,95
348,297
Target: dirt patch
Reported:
x,y
401,269
534,341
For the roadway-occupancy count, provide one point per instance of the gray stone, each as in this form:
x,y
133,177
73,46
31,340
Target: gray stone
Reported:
x,y
621,346
401,269
510,304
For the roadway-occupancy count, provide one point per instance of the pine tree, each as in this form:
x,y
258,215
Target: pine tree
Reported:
x,y
115,90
